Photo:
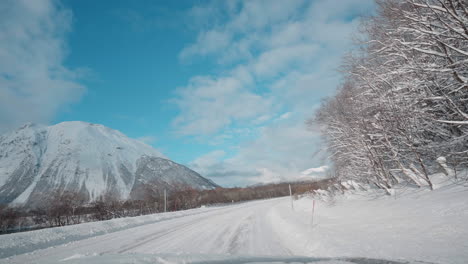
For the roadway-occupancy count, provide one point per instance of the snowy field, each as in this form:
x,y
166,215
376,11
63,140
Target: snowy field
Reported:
x,y
417,227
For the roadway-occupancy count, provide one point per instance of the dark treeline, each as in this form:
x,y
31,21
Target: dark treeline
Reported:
x,y
402,110
67,208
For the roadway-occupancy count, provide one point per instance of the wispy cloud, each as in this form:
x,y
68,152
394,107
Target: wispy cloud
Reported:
x,y
147,139
154,16
209,103
276,60
34,83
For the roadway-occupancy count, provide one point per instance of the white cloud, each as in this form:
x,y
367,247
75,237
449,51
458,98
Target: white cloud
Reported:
x,y
318,170
257,15
205,163
281,152
262,119
208,42
287,34
284,116
34,84
303,90
208,104
288,53
228,40
147,139
272,62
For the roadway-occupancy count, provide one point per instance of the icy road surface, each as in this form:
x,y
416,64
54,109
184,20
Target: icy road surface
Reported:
x,y
418,226
237,229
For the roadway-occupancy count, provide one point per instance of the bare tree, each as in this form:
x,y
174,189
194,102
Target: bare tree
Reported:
x,y
404,100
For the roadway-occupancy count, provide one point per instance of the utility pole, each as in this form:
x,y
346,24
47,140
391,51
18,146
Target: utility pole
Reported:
x,y
290,194
165,200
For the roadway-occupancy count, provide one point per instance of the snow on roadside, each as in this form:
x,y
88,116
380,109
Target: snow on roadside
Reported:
x,y
218,259
417,224
19,243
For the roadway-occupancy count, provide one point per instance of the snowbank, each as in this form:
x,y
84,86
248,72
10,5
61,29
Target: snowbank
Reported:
x,y
413,224
19,243
198,259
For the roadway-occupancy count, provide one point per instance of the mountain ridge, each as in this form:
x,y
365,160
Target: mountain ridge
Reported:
x,y
86,158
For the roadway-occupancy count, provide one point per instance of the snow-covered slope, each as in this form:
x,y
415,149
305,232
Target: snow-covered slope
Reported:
x,y
82,157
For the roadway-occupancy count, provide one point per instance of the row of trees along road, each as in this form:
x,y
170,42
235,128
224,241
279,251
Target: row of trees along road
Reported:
x,y
62,208
402,109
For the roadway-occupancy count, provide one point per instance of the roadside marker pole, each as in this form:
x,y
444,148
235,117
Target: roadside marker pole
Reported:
x,y
165,201
290,194
313,209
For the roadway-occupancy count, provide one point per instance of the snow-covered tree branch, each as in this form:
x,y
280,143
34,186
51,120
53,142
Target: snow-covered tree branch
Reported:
x,y
404,99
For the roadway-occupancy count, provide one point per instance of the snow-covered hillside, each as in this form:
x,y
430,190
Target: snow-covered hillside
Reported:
x,y
82,157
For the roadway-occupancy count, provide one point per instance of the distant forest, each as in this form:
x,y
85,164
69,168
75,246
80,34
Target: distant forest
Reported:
x,y
67,208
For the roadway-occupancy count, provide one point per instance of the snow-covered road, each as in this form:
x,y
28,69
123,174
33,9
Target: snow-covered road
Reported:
x,y
240,229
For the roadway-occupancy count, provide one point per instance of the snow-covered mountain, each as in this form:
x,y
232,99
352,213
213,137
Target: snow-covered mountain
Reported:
x,y
82,157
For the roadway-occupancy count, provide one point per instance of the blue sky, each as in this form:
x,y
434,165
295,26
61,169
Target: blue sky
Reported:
x,y
221,86
131,49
